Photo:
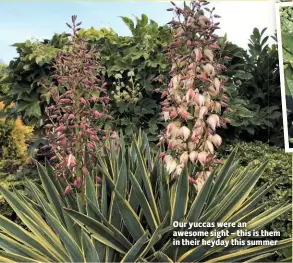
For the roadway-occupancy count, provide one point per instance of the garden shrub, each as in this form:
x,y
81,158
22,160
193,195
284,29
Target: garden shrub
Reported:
x,y
256,87
13,147
15,180
278,168
13,156
13,137
140,55
135,62
4,88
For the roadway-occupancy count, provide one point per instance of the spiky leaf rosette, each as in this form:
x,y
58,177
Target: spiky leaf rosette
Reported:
x,y
196,97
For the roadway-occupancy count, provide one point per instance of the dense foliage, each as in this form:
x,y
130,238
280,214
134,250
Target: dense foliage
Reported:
x,y
131,64
13,143
278,173
136,70
255,75
130,216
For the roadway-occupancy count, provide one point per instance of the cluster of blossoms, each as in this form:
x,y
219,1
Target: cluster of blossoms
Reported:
x,y
196,99
80,107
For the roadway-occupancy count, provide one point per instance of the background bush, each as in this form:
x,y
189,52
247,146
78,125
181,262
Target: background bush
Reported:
x,y
131,65
255,80
279,168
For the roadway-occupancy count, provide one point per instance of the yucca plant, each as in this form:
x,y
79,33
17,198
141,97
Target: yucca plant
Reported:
x,y
128,215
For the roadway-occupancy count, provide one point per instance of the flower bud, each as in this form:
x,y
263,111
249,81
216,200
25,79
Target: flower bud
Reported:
x,y
183,115
68,92
171,166
173,114
198,54
215,46
209,70
170,127
190,95
224,97
94,137
190,21
191,146
184,133
202,157
83,101
54,158
208,54
217,107
184,158
59,129
189,43
191,180
209,147
202,112
84,171
90,145
193,157
216,140
65,100
98,114
67,189
70,116
77,182
203,78
213,121
199,99
199,184
164,94
223,104
217,84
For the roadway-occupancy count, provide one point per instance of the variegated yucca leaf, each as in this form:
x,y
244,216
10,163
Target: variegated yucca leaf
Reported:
x,y
128,216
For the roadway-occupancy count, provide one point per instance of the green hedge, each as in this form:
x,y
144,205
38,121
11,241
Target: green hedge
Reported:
x,y
279,168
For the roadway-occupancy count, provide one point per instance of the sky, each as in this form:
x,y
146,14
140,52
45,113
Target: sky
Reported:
x,y
20,21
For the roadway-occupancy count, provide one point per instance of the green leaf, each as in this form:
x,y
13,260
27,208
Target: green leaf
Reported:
x,y
98,230
134,253
69,243
128,22
88,248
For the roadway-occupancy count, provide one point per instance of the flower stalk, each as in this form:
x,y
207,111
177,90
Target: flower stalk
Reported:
x,y
196,98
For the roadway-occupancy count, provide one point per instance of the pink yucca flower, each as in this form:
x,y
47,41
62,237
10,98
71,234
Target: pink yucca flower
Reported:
x,y
184,158
67,190
216,140
195,100
84,171
83,101
78,70
214,121
184,133
77,182
65,100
